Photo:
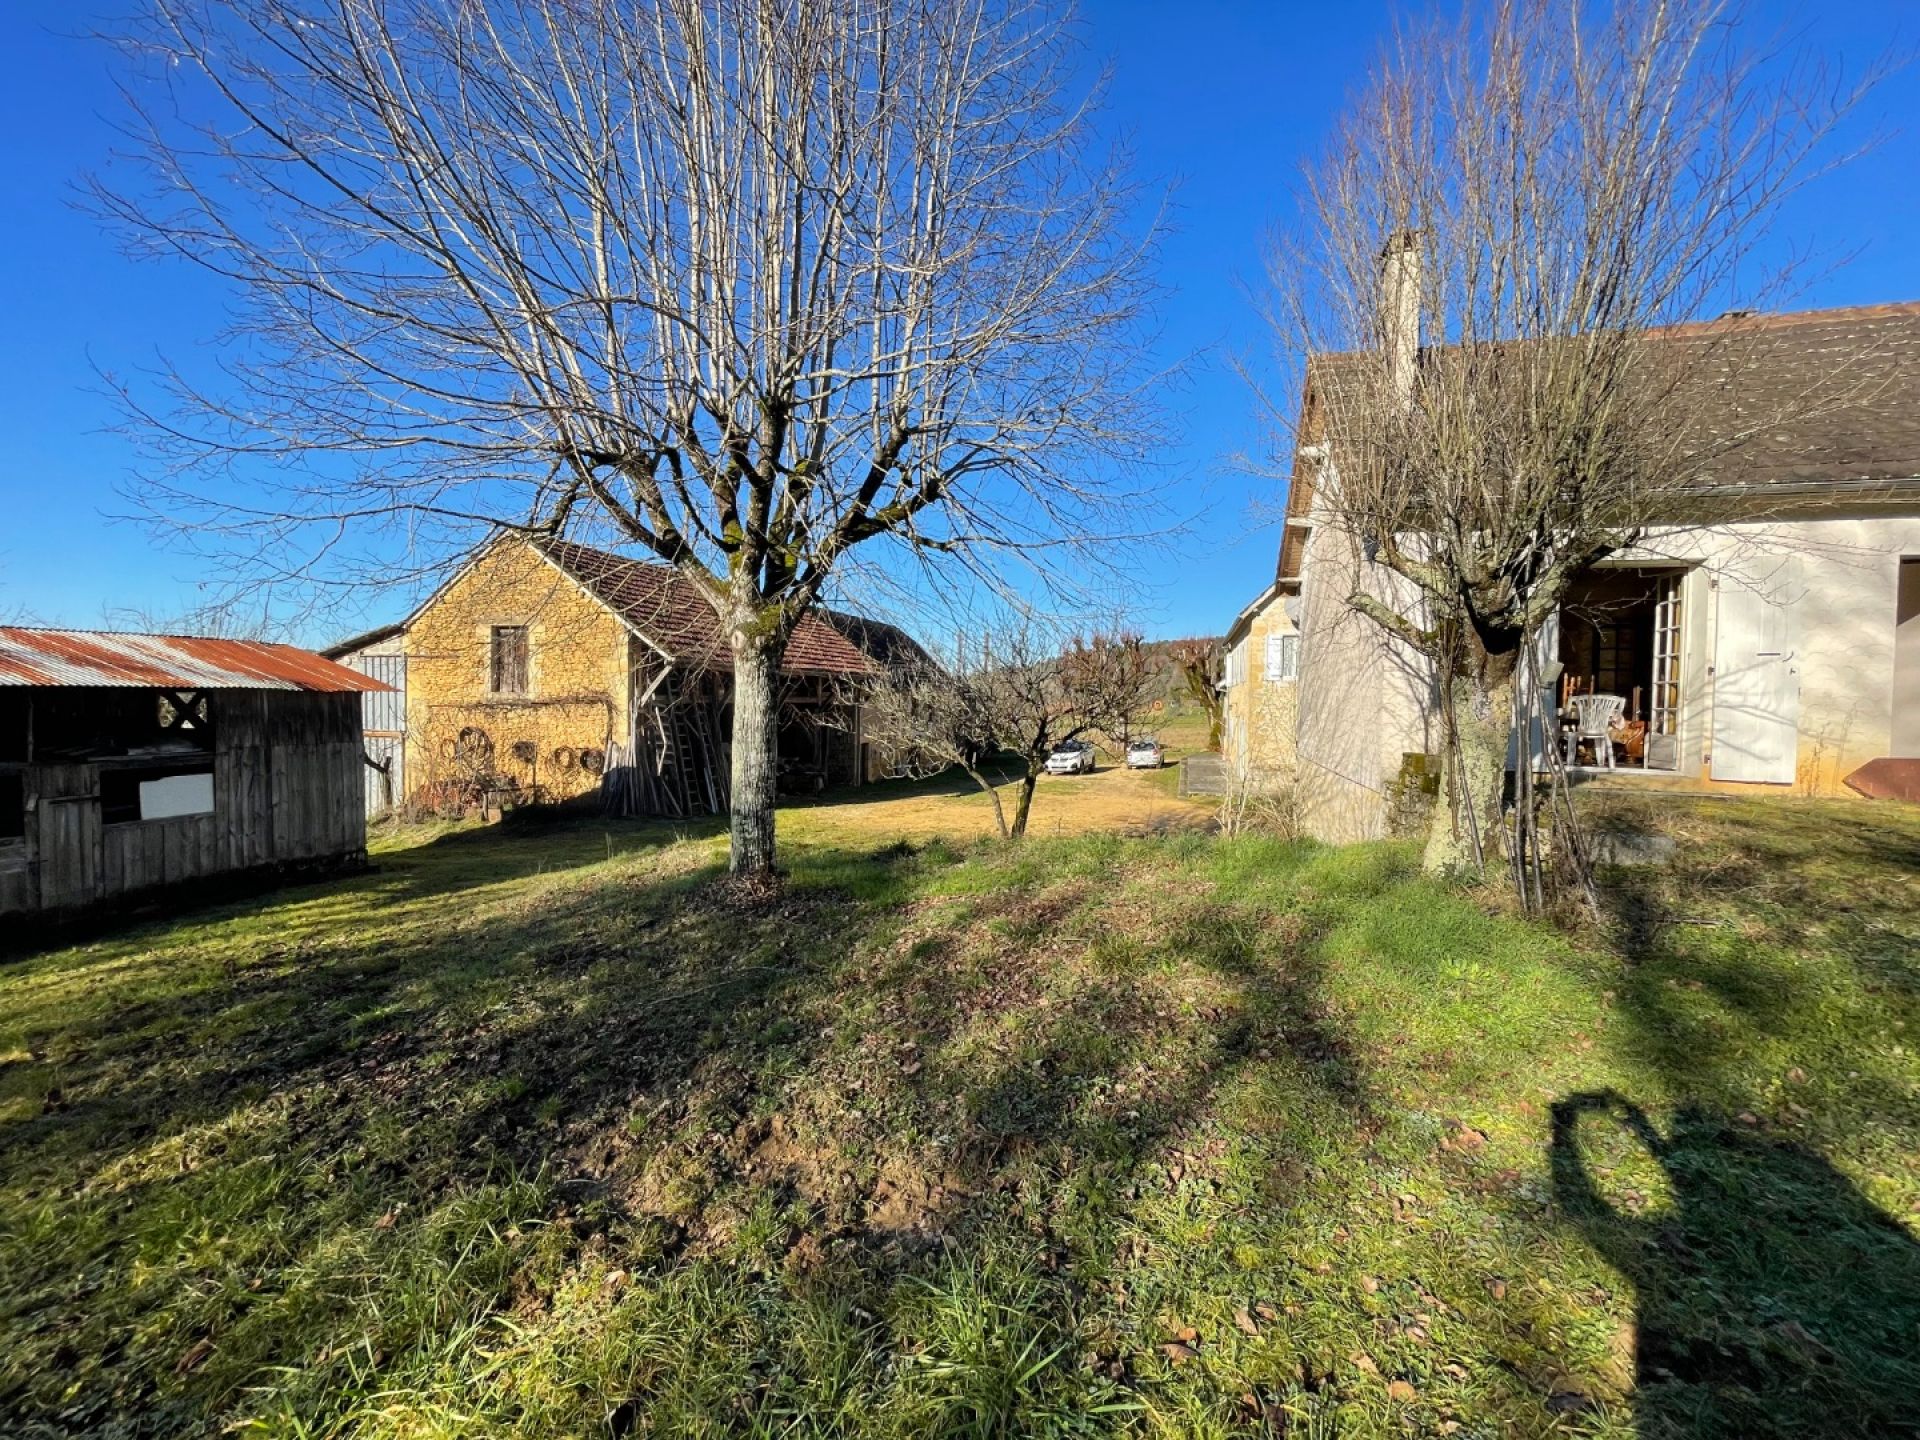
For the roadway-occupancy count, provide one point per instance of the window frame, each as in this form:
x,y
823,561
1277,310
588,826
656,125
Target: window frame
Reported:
x,y
1282,659
497,672
117,779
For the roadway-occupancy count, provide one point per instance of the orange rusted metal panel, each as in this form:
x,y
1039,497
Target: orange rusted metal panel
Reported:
x,y
1888,778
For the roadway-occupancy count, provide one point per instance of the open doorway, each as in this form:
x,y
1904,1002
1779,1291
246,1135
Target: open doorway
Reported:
x,y
1620,637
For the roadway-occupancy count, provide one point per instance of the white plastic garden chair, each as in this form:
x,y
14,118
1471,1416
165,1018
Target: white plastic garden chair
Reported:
x,y
1594,718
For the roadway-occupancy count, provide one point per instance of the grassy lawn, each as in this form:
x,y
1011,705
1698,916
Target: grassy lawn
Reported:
x,y
543,1133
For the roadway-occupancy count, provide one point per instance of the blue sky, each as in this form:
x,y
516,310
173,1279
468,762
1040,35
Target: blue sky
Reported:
x,y
1221,99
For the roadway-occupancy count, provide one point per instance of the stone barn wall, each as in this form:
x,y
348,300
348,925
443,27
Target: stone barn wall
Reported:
x,y
576,696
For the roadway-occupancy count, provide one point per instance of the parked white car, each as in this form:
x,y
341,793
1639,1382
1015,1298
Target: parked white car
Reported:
x,y
1070,757
1145,753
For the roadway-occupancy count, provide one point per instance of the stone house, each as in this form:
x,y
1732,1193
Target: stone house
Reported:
x,y
1259,688
1775,650
547,670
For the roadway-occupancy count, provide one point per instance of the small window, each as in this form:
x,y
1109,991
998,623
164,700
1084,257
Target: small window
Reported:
x,y
1283,657
184,710
13,806
509,676
155,793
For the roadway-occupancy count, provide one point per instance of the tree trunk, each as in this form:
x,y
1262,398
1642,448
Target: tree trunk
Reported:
x,y
756,727
1473,796
1025,806
993,794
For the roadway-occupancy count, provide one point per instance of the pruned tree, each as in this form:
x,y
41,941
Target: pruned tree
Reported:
x,y
1200,662
939,717
748,284
1022,695
1112,672
1487,286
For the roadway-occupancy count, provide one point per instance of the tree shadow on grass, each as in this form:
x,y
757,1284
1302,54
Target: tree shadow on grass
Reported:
x,y
1773,1298
285,1164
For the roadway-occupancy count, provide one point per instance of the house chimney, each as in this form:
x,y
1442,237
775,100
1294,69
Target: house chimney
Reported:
x,y
1400,308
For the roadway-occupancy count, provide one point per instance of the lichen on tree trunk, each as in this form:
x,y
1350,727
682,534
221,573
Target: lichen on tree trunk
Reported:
x,y
755,771
1473,794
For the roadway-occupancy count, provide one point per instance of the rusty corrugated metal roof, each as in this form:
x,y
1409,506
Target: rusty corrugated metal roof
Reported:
x,y
178,662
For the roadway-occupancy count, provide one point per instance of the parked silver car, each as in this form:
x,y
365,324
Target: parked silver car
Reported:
x,y
1145,753
1070,757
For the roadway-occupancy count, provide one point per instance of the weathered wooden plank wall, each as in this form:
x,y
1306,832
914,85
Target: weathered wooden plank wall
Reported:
x,y
242,765
68,815
158,852
286,787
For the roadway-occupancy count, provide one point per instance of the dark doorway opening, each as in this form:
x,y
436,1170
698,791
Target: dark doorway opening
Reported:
x,y
1620,636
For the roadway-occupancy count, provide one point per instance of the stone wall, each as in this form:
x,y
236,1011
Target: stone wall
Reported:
x,y
1257,731
576,697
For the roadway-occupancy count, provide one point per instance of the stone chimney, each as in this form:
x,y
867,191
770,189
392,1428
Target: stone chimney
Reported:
x,y
1400,308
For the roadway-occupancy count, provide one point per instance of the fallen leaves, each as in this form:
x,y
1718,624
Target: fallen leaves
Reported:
x,y
1463,1138
194,1357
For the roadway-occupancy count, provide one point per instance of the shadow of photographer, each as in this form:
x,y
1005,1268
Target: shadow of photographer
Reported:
x,y
1773,1298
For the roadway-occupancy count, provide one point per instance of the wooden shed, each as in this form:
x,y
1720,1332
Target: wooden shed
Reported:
x,y
129,763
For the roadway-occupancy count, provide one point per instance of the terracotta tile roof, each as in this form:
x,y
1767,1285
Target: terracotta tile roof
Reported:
x,y
45,658
886,645
665,607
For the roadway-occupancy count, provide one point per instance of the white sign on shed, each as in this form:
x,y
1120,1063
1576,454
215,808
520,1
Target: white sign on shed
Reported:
x,y
173,795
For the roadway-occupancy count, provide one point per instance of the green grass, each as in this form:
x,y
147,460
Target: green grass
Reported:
x,y
542,1133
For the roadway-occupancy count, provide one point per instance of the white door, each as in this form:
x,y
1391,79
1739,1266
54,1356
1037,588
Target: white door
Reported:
x,y
1756,677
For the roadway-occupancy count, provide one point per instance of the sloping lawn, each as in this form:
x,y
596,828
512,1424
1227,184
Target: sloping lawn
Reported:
x,y
547,1134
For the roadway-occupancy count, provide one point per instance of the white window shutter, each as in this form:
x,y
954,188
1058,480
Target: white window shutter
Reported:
x,y
1283,657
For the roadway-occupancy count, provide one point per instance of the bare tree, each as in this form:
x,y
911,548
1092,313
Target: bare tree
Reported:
x,y
1022,695
939,717
1199,661
1541,194
1113,676
745,283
